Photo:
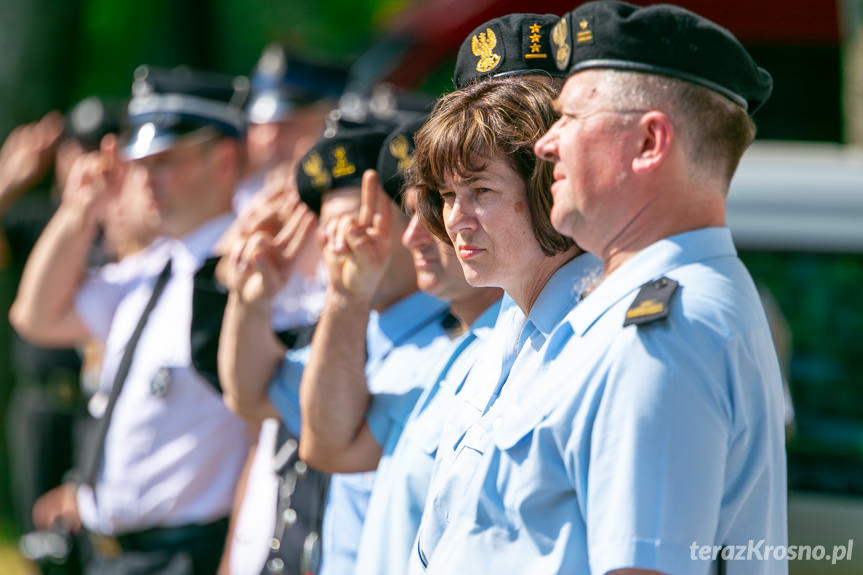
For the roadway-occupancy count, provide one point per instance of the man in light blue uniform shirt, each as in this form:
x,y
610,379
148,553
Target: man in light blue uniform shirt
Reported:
x,y
403,342
652,441
384,340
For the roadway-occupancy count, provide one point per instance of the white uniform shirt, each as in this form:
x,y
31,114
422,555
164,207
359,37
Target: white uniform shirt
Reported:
x,y
172,456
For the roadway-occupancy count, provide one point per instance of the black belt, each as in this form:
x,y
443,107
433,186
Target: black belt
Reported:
x,y
159,538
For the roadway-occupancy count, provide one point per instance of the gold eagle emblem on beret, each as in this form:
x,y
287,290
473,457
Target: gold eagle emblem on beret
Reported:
x,y
313,166
560,40
483,45
343,166
400,150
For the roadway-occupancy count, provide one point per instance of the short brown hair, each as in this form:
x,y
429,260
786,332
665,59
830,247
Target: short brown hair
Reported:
x,y
714,130
468,127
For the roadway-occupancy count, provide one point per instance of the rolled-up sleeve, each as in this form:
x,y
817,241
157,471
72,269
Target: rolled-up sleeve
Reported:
x,y
284,390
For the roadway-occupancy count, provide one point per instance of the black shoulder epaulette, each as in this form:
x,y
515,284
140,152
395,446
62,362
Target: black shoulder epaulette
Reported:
x,y
209,299
652,302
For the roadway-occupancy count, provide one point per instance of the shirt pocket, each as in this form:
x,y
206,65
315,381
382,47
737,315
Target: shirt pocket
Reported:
x,y
424,433
510,428
458,483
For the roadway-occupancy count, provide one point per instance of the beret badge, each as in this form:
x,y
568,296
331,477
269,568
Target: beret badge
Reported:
x,y
400,150
560,44
313,166
343,166
483,45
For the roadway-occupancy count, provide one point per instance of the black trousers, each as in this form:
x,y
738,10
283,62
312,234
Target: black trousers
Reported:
x,y
187,550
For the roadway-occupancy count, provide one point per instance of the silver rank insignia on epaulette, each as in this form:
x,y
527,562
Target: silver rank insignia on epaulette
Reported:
x,y
161,382
652,302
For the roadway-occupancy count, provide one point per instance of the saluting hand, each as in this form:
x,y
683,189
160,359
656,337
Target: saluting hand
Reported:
x,y
87,188
358,248
27,153
264,212
257,268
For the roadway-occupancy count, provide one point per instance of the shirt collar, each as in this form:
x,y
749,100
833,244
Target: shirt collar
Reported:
x,y
650,263
483,326
190,251
387,329
562,292
150,260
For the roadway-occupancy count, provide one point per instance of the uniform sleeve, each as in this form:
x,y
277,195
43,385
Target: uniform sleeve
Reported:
x,y
387,414
656,468
99,296
284,390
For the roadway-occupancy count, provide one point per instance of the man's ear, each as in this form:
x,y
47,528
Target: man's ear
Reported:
x,y
656,135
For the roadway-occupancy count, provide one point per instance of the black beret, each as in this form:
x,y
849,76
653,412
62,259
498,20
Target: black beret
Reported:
x,y
337,162
395,156
281,83
669,41
511,45
170,105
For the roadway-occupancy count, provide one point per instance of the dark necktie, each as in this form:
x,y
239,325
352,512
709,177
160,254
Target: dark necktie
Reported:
x,y
92,470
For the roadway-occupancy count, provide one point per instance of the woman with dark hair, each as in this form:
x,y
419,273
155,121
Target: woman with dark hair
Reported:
x,y
483,190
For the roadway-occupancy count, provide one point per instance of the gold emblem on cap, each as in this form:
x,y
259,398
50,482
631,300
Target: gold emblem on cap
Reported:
x,y
535,47
483,45
560,44
313,166
343,167
584,33
400,150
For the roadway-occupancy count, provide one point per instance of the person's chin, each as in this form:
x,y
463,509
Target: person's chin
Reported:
x,y
428,283
560,220
475,277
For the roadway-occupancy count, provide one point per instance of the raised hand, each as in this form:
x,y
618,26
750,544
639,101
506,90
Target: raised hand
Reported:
x,y
358,248
264,211
27,154
257,268
87,187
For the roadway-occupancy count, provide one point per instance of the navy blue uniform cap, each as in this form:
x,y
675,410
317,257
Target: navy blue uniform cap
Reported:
x,y
173,106
281,83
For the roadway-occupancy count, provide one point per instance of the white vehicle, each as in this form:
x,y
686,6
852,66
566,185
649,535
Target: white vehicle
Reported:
x,y
796,212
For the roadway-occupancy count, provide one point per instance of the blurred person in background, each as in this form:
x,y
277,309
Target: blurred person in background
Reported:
x,y
273,473
45,406
288,104
155,494
289,101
